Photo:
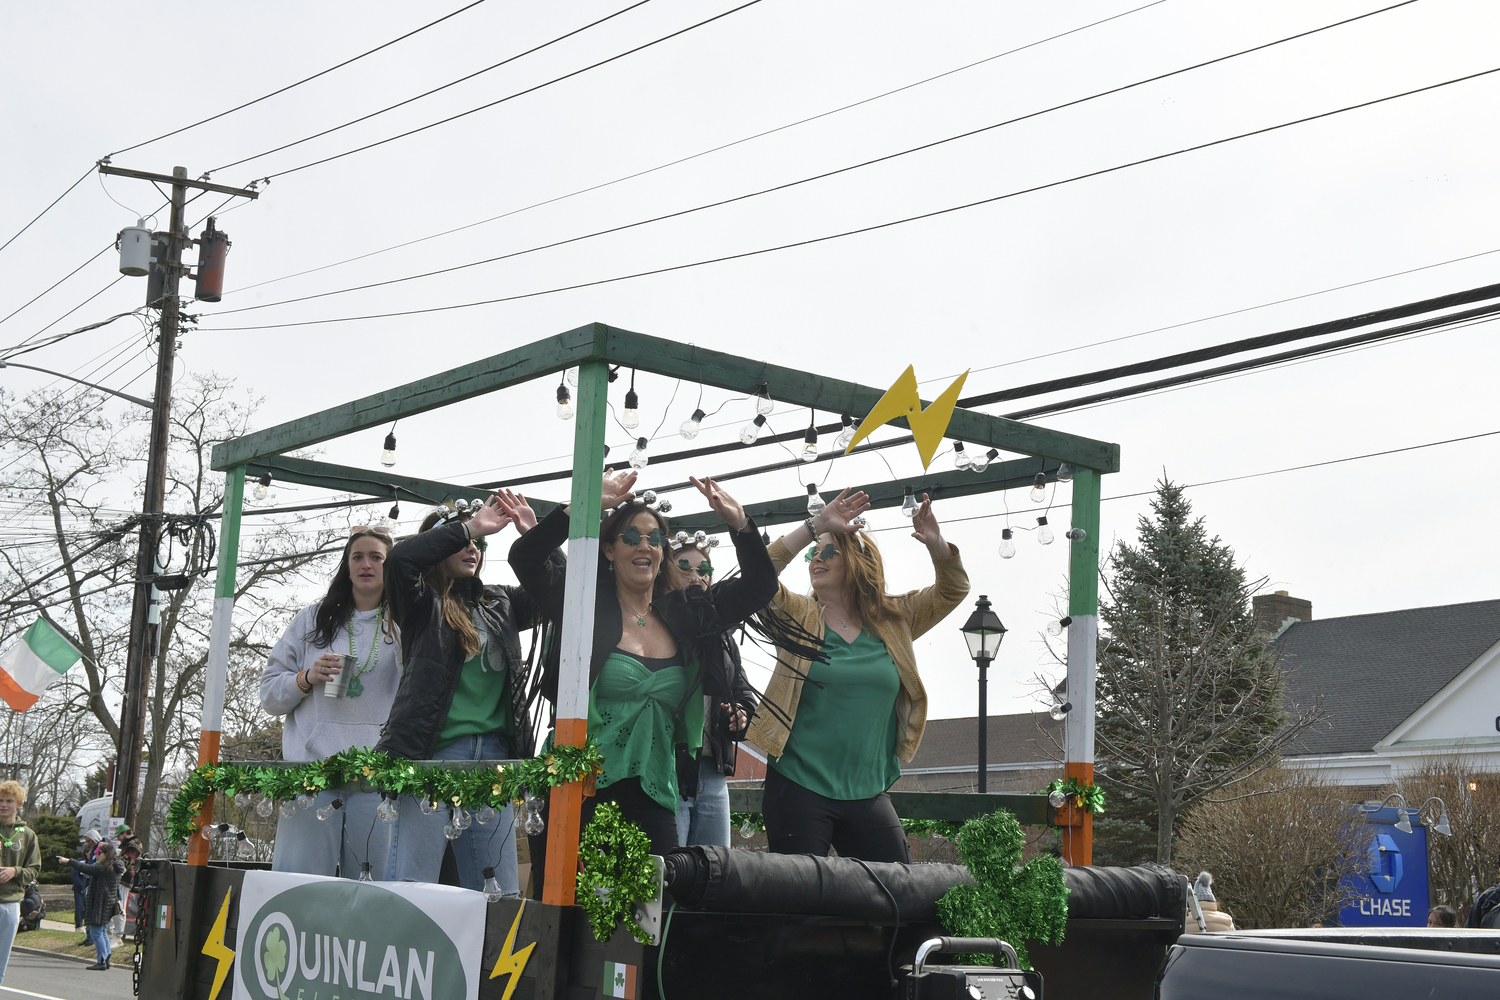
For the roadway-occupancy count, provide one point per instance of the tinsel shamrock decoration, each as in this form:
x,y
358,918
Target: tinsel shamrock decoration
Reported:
x,y
617,872
471,789
1088,797
1010,901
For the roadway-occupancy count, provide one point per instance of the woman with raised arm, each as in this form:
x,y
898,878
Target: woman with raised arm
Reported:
x,y
352,619
837,728
464,693
654,649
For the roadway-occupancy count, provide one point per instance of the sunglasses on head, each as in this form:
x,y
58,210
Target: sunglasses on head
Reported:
x,y
632,536
705,568
378,529
829,551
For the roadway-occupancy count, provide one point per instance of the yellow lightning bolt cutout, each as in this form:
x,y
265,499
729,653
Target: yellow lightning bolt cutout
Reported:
x,y
512,962
214,947
901,400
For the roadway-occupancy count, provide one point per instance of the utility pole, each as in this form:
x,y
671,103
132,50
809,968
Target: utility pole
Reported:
x,y
143,632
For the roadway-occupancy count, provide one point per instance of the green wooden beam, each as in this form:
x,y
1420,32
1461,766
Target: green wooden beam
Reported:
x,y
956,483
377,484
955,807
509,368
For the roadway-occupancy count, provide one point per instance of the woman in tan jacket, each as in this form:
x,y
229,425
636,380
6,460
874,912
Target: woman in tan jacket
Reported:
x,y
836,729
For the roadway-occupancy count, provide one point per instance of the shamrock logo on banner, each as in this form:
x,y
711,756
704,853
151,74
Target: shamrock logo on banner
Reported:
x,y
275,955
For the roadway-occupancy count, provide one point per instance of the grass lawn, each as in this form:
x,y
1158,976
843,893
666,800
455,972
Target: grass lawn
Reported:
x,y
63,942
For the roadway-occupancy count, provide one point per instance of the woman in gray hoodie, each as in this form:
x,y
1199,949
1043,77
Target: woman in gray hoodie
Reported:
x,y
318,837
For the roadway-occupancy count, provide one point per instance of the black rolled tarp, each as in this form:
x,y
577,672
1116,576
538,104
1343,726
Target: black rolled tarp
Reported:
x,y
1124,893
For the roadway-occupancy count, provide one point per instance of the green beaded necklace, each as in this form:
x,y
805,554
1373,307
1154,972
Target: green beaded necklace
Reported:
x,y
355,687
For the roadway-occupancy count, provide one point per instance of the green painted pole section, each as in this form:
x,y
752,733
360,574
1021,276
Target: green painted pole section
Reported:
x,y
588,448
1083,562
229,531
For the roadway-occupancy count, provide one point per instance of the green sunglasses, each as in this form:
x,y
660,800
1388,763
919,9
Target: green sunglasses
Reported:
x,y
705,568
632,536
829,551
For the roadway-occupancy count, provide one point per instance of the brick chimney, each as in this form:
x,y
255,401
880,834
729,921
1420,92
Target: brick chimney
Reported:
x,y
1273,612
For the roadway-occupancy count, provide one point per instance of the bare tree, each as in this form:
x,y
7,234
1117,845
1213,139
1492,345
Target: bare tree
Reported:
x,y
1281,853
1457,864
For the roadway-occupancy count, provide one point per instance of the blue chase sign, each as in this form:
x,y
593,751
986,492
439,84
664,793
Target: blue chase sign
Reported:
x,y
1394,891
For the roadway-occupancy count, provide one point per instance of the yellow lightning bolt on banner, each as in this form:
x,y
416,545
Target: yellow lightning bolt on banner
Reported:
x,y
214,947
901,400
512,962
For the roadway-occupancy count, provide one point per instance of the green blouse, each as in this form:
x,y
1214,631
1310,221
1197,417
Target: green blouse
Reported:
x,y
481,702
631,710
843,742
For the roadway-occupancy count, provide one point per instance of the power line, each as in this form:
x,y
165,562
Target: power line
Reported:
x,y
815,177
693,156
282,90
529,90
44,211
429,93
870,228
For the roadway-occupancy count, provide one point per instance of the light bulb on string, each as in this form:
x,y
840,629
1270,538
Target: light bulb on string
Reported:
x,y
326,812
427,806
846,434
638,457
365,875
763,404
1065,473
630,417
810,445
961,459
265,807
389,809
1039,488
1057,627
262,486
388,453
692,425
486,815
393,515
1056,798
815,502
242,800
1007,546
1043,532
1060,710
564,402
751,431
246,849
304,801
981,462
287,809
461,819
492,891
909,503
451,832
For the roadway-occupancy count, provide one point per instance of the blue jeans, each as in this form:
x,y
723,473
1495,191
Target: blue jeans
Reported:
x,y
311,846
10,919
101,941
704,819
417,844
78,899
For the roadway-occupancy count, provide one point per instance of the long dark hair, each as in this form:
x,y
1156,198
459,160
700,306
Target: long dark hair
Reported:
x,y
334,609
617,522
456,612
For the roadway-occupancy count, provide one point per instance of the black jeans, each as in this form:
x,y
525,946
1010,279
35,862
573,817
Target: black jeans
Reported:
x,y
658,824
799,821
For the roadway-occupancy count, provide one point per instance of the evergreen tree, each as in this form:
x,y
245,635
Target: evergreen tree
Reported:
x,y
1189,699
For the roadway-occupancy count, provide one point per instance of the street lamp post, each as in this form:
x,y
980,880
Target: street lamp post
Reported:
x,y
983,632
4,363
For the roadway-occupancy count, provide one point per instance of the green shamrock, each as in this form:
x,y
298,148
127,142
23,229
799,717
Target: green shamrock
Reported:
x,y
275,957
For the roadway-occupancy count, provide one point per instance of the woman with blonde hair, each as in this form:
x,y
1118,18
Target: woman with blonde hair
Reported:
x,y
838,727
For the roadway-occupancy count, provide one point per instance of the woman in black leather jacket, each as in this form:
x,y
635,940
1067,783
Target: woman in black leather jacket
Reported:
x,y
463,695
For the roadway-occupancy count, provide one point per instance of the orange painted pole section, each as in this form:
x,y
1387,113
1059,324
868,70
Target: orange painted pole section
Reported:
x,y
208,753
1078,841
565,807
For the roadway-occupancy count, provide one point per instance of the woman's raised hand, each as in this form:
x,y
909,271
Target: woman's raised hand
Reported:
x,y
515,507
723,504
925,529
617,488
488,519
838,517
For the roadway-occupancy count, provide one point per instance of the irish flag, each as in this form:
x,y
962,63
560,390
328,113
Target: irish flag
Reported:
x,y
619,980
30,665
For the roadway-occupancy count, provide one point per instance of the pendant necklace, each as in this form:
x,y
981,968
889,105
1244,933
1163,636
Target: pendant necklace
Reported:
x,y
640,619
356,687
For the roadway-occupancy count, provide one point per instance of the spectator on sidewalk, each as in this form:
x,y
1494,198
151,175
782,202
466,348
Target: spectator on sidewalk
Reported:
x,y
103,897
33,908
20,860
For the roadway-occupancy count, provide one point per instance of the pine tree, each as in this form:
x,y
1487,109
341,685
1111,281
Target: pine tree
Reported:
x,y
1189,698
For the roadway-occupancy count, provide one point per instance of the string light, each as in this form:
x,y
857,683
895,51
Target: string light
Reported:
x,y
492,891
1056,628
637,458
1039,488
1057,713
389,809
1065,473
909,503
810,440
364,872
630,418
388,454
393,515
815,502
763,404
847,434
692,425
326,812
1043,532
1007,546
262,486
961,459
751,431
1075,534
564,402
981,462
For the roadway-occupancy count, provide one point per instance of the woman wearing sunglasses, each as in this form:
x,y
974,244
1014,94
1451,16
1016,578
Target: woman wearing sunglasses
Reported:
x,y
464,693
702,778
352,619
655,649
838,727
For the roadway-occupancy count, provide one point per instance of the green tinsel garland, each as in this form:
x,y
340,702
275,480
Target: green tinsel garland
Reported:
x,y
737,821
930,828
465,789
1089,797
1011,901
617,872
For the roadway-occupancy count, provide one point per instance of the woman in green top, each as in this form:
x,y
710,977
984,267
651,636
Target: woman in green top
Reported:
x,y
839,726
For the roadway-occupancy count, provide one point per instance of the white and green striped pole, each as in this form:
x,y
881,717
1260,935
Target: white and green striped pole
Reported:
x,y
577,640
217,670
1083,634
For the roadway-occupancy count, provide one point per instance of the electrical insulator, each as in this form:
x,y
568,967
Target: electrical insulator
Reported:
x,y
213,247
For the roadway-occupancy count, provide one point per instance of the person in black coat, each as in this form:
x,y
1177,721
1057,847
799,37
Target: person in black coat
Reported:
x,y
656,651
103,897
464,692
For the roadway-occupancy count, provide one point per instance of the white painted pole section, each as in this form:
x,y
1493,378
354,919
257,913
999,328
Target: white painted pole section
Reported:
x,y
217,670
578,633
1083,633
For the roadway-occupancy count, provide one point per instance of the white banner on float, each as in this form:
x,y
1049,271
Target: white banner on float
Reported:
x,y
309,936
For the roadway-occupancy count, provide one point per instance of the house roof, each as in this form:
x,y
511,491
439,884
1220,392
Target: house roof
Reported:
x,y
1373,671
1010,739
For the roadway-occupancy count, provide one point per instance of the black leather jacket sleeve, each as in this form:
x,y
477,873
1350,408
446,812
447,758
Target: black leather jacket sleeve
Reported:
x,y
542,576
409,596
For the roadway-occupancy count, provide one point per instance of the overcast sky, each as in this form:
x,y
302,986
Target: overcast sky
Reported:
x,y
1369,208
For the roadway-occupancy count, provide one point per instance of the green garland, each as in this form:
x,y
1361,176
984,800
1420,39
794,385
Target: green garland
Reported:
x,y
617,872
737,822
1010,901
930,828
465,789
1089,797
